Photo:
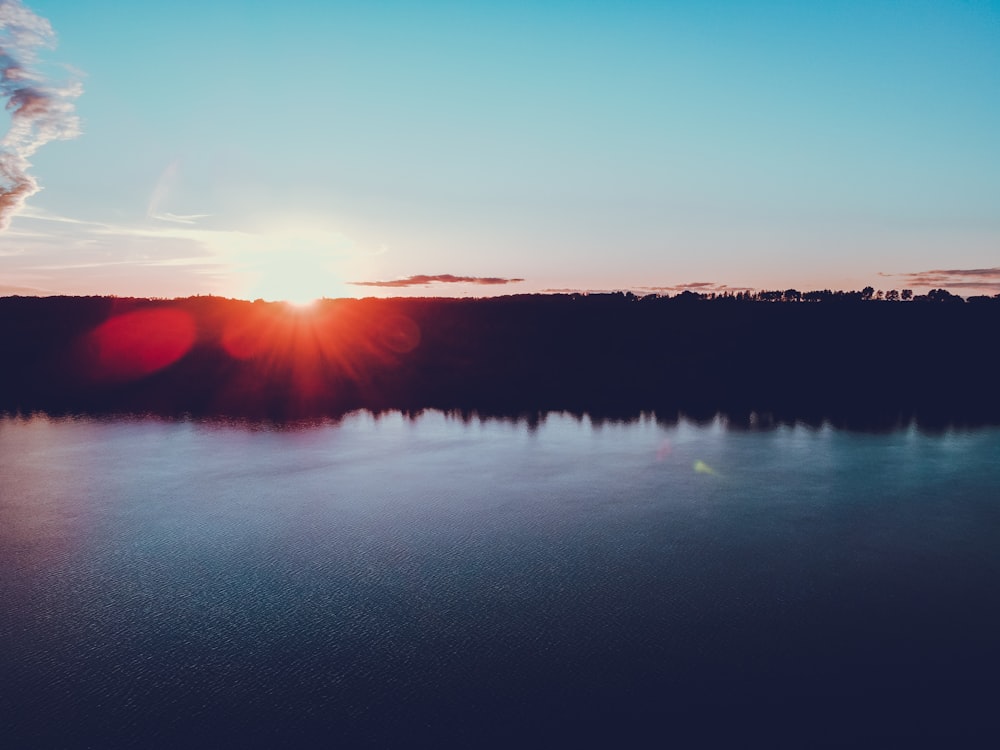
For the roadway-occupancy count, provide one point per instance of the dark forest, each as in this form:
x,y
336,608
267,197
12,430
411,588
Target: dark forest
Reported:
x,y
853,359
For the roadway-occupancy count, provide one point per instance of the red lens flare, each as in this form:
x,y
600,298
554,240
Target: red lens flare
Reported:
x,y
137,344
304,357
399,334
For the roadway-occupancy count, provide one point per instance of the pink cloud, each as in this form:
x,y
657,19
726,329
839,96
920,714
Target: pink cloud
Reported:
x,y
960,278
444,278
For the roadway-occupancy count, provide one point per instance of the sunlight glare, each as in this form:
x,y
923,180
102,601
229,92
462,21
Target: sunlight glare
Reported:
x,y
302,304
297,260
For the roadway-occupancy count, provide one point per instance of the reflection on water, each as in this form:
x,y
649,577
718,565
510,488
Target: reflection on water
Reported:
x,y
434,578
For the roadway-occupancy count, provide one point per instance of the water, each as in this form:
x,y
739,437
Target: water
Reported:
x,y
430,581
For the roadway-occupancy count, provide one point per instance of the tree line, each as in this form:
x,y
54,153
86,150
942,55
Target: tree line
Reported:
x,y
874,363
868,294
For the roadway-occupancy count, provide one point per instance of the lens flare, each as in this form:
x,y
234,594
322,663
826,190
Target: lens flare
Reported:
x,y
702,468
665,449
137,344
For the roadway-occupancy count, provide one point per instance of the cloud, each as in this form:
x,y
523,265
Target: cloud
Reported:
x,y
39,112
694,286
991,273
22,291
444,278
180,218
278,258
30,212
64,255
571,290
959,278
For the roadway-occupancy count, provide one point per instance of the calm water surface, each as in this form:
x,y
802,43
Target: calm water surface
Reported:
x,y
400,582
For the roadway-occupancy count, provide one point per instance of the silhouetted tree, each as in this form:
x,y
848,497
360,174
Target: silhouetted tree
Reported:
x,y
892,295
688,296
906,294
943,295
867,292
818,296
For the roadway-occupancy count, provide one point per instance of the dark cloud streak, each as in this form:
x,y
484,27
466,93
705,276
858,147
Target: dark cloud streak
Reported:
x,y
960,278
695,286
444,278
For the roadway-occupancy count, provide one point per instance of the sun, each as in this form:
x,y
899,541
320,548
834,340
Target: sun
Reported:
x,y
299,283
294,262
303,304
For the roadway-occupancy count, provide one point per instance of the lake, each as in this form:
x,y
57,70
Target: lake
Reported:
x,y
429,580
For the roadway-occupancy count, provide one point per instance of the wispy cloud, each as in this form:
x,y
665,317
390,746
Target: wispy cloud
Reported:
x,y
165,186
39,214
62,254
39,111
958,278
91,232
179,218
443,278
23,291
575,290
177,255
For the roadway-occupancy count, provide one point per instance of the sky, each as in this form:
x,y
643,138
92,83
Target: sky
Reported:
x,y
303,149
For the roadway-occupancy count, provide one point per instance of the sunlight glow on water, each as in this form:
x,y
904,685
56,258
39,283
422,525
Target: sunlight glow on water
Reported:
x,y
376,577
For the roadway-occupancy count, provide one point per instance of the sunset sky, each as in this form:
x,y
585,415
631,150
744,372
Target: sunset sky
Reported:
x,y
305,149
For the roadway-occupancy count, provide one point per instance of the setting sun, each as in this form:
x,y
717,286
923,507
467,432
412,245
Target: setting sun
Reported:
x,y
303,305
296,258
296,277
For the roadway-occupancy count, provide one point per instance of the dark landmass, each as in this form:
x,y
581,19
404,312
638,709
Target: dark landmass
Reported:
x,y
848,358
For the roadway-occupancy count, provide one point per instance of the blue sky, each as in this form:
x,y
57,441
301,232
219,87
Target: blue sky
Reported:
x,y
289,149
